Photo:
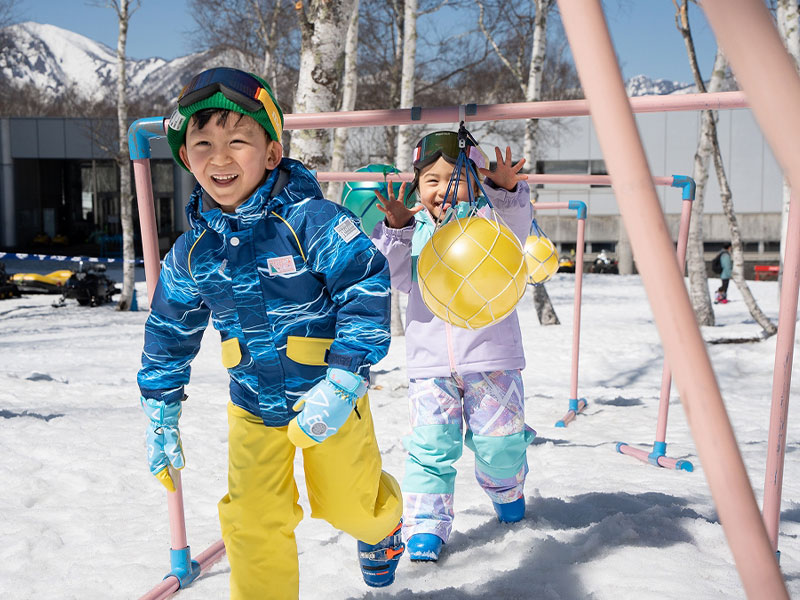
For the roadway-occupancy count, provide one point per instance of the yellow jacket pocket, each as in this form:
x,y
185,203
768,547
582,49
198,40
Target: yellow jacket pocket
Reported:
x,y
231,353
308,350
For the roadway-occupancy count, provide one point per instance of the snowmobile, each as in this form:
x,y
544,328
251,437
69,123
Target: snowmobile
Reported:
x,y
605,264
36,283
8,289
566,264
89,286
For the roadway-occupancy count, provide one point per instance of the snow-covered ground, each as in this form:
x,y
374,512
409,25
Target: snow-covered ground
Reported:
x,y
81,517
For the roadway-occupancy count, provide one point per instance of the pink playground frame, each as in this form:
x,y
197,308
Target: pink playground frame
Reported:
x,y
774,94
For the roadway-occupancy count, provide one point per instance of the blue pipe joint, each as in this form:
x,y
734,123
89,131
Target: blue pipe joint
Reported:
x,y
575,404
579,207
687,184
184,569
684,465
140,133
659,450
619,446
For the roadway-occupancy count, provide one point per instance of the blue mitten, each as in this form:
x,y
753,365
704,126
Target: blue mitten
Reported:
x,y
163,439
325,407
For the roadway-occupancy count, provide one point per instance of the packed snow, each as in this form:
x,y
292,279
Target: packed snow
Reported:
x,y
83,518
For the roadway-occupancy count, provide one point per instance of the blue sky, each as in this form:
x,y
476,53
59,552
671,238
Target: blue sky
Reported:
x,y
643,31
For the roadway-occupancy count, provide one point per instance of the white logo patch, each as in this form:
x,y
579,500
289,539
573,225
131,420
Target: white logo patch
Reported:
x,y
176,121
280,265
347,230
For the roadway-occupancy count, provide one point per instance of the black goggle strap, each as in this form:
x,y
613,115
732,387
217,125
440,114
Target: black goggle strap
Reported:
x,y
465,140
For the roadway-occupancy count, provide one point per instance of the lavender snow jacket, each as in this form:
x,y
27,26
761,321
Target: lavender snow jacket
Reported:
x,y
434,348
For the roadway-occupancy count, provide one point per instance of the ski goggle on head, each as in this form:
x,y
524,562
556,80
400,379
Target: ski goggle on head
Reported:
x,y
237,86
444,144
439,144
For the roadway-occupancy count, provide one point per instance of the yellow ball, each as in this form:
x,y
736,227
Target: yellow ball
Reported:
x,y
541,259
472,272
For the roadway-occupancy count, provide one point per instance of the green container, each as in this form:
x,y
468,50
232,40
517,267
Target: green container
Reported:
x,y
359,196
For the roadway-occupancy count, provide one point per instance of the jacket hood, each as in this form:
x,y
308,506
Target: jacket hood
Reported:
x,y
289,183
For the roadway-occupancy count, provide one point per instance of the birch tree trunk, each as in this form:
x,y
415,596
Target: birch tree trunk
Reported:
x,y
349,90
267,30
404,133
532,92
787,18
695,260
123,160
541,299
323,26
726,197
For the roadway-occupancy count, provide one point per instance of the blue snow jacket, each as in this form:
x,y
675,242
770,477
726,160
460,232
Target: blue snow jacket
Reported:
x,y
290,282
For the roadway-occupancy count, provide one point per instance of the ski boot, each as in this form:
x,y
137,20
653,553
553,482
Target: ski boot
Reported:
x,y
424,547
379,561
510,512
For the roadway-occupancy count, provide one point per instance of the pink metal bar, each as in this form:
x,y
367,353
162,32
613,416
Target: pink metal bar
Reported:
x,y
504,112
782,376
530,177
578,404
774,92
163,590
666,376
177,523
152,265
576,313
655,256
644,456
576,308
147,224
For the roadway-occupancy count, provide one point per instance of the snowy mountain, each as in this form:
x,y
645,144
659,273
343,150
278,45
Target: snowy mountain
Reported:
x,y
56,62
641,85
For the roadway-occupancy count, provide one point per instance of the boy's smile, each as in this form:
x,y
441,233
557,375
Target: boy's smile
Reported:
x,y
229,157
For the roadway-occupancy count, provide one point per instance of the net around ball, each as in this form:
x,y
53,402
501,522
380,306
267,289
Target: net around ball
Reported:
x,y
541,259
472,272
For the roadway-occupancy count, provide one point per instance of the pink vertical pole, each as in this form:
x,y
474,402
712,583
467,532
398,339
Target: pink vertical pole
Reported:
x,y
768,76
782,375
147,223
139,135
576,307
666,375
684,347
576,405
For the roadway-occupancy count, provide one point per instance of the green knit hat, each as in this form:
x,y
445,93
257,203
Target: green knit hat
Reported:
x,y
271,120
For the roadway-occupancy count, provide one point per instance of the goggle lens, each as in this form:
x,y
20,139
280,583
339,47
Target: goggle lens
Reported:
x,y
434,145
236,86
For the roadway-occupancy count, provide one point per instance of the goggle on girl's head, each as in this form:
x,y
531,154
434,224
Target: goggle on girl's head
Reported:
x,y
443,144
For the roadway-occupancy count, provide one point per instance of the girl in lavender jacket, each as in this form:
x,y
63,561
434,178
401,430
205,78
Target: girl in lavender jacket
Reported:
x,y
456,375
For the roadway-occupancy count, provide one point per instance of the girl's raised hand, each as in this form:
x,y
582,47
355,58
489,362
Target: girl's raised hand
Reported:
x,y
505,174
397,215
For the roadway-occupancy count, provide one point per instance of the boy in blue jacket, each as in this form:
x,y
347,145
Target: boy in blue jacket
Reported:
x,y
301,300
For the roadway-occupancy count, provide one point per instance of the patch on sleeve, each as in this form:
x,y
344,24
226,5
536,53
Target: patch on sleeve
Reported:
x,y
347,230
280,265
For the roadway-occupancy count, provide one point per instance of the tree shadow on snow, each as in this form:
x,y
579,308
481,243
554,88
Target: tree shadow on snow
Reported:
x,y
10,414
621,379
619,401
549,566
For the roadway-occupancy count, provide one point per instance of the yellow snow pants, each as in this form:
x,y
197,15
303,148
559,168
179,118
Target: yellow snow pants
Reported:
x,y
258,515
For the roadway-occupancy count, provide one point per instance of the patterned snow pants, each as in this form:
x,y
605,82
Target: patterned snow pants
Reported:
x,y
492,406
